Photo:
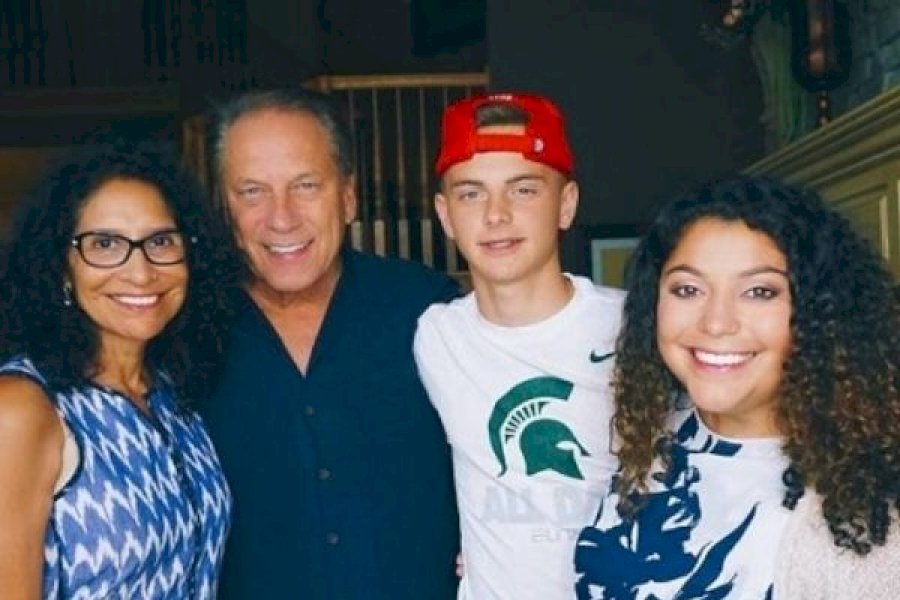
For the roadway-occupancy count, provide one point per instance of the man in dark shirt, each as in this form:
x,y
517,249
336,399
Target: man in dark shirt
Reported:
x,y
338,464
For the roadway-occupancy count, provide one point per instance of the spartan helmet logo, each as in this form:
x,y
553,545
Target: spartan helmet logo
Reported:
x,y
545,443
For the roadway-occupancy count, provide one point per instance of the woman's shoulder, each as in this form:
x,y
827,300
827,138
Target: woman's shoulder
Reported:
x,y
22,400
22,386
30,427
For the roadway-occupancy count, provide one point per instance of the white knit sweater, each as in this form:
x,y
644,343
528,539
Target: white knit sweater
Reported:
x,y
811,567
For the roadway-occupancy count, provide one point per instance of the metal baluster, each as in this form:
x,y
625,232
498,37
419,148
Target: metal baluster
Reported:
x,y
175,31
356,227
193,143
15,43
378,226
5,42
452,260
425,221
27,41
40,37
402,207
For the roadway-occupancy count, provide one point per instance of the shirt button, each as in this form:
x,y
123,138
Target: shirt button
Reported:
x,y
324,474
309,410
332,538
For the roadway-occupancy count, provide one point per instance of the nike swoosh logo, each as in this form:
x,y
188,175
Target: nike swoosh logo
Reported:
x,y
598,358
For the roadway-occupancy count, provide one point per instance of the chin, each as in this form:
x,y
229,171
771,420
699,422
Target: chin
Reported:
x,y
142,337
712,405
497,276
289,285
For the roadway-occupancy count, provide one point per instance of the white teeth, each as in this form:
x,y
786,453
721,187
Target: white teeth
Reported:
x,y
137,300
500,244
725,359
285,249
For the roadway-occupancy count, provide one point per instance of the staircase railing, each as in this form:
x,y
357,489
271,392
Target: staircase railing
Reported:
x,y
396,124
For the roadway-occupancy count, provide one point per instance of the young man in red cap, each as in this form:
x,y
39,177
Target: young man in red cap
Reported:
x,y
519,369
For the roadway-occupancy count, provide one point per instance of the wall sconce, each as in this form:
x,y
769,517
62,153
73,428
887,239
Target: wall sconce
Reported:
x,y
821,54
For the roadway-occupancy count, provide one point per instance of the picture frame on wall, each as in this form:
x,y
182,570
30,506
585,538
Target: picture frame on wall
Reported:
x,y
609,248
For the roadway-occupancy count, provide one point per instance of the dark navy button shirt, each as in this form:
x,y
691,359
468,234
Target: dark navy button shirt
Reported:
x,y
341,477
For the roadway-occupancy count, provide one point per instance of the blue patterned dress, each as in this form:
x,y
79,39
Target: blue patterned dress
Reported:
x,y
147,511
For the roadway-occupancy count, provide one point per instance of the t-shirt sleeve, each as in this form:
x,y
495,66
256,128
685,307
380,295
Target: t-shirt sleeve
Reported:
x,y
424,330
425,353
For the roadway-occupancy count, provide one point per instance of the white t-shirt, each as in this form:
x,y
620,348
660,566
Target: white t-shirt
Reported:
x,y
711,527
527,412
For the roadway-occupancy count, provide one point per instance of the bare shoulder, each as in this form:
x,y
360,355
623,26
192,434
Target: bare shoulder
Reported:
x,y
31,443
28,422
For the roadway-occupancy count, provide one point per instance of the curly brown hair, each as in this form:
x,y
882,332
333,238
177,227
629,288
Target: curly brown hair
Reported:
x,y
62,340
839,400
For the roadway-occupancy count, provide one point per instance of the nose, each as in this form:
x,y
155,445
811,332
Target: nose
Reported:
x,y
497,210
720,316
137,269
282,215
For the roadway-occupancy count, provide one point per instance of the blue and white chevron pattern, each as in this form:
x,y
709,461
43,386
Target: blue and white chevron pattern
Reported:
x,y
146,514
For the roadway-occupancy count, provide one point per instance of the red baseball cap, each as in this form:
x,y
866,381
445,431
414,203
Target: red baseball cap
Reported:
x,y
543,141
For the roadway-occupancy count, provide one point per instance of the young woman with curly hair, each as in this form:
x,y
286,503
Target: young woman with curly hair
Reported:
x,y
757,408
112,289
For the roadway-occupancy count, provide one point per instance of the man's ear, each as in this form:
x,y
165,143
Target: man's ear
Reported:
x,y
440,207
348,198
568,204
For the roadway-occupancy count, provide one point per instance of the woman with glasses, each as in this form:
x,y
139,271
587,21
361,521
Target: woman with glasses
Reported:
x,y
113,285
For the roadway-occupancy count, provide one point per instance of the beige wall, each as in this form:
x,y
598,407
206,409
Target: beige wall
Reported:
x,y
854,162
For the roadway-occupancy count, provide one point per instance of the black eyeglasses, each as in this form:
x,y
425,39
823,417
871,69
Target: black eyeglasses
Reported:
x,y
107,250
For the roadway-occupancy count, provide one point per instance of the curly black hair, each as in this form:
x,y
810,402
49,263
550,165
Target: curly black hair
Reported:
x,y
63,341
839,400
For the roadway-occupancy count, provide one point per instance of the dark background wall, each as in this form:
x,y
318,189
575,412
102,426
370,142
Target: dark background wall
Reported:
x,y
652,108
291,29
366,36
